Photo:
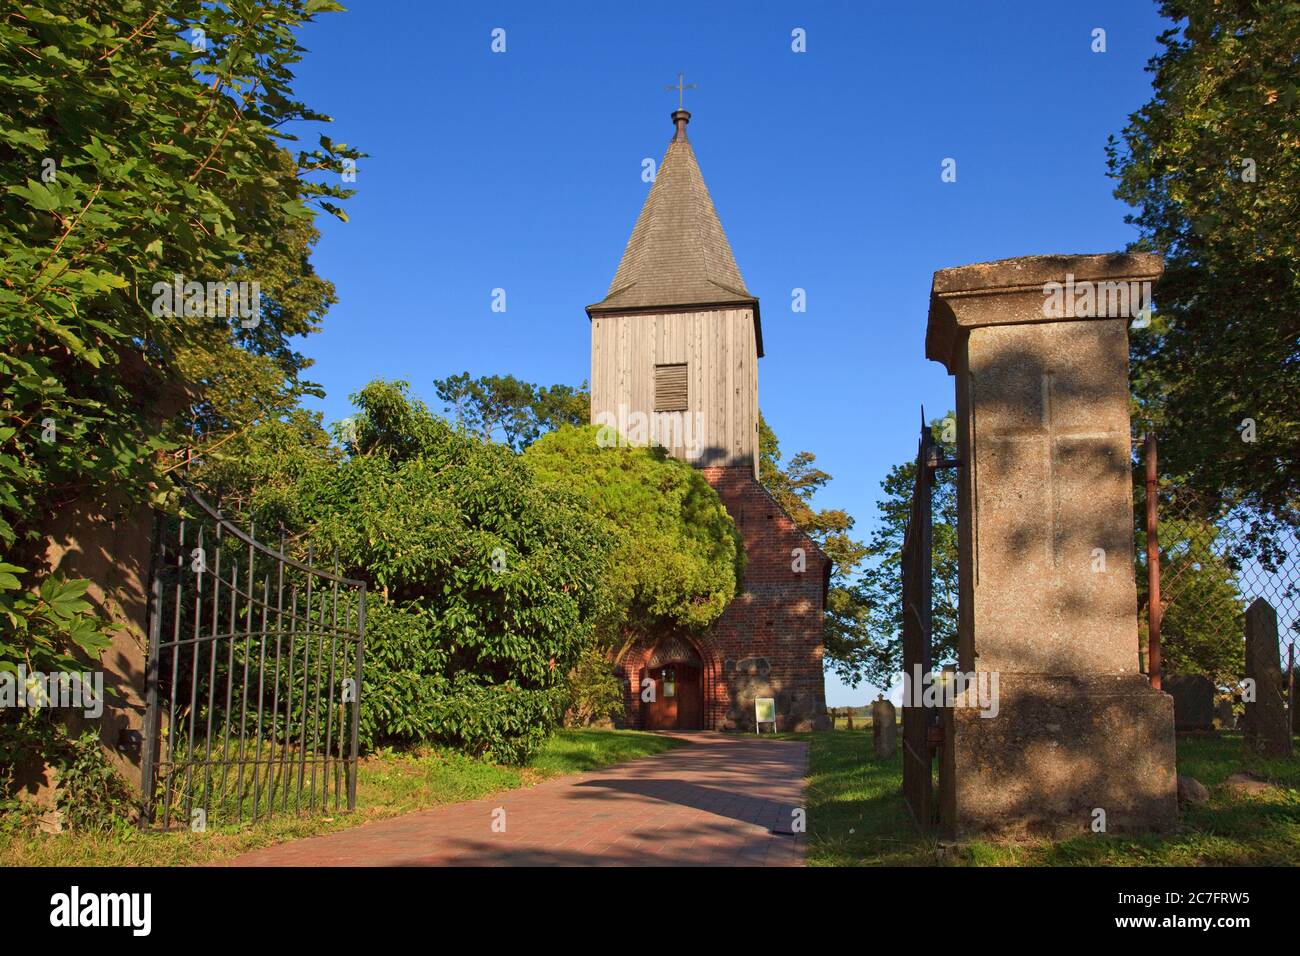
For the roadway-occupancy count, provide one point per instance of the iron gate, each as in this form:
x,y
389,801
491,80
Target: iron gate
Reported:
x,y
920,721
253,682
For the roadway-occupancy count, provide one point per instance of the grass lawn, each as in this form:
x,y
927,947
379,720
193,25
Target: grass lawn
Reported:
x,y
856,815
388,784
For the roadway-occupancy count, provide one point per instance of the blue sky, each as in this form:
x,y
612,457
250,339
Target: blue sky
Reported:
x,y
522,170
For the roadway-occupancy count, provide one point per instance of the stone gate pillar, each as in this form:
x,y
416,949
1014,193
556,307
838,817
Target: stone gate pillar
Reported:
x,y
1048,612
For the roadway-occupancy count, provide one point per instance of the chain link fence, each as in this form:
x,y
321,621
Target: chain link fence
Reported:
x,y
1214,562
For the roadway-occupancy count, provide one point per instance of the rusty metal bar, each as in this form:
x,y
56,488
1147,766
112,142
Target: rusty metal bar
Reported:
x,y
198,565
1153,562
243,690
1290,685
176,652
329,698
916,559
306,684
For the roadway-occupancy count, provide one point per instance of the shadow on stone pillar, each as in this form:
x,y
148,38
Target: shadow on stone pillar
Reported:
x,y
111,546
1076,739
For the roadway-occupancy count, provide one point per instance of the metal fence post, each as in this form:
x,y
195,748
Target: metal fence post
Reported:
x,y
149,744
1290,686
356,698
1153,564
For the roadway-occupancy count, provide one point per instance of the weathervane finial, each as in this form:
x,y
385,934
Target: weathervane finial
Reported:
x,y
681,87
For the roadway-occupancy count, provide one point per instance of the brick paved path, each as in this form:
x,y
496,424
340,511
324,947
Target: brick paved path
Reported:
x,y
715,802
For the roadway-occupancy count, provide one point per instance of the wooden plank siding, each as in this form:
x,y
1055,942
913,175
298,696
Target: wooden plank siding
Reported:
x,y
718,348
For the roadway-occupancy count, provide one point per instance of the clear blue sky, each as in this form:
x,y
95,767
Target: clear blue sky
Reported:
x,y
522,171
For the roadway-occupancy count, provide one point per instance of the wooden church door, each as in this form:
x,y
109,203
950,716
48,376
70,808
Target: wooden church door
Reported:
x,y
679,699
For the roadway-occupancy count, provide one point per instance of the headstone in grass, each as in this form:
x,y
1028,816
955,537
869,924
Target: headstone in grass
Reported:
x,y
1193,696
1266,725
1224,716
884,727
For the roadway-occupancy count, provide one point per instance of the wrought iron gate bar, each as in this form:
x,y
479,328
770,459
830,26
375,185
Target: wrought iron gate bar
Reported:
x,y
918,718
241,718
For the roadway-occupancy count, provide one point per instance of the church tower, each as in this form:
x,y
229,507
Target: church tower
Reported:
x,y
676,341
675,346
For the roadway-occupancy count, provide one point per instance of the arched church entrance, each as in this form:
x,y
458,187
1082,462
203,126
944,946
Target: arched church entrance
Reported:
x,y
677,671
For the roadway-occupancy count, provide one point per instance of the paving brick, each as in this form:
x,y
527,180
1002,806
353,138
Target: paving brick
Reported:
x,y
713,803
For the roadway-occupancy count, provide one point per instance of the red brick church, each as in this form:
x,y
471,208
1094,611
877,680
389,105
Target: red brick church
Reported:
x,y
675,343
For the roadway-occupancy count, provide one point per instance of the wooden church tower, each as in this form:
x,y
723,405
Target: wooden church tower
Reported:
x,y
675,346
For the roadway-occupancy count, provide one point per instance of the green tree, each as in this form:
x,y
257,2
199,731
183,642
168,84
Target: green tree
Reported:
x,y
141,141
679,556
1212,167
489,582
876,649
793,485
504,408
1202,617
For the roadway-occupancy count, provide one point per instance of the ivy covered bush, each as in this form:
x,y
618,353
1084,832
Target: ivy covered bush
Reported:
x,y
502,585
485,582
91,795
678,556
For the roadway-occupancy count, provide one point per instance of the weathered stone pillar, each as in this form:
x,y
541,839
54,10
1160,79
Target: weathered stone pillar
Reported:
x,y
1048,599
884,728
110,544
1265,722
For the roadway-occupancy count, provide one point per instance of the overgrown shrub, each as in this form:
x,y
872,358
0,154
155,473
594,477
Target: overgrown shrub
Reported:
x,y
595,691
501,722
90,793
486,583
678,558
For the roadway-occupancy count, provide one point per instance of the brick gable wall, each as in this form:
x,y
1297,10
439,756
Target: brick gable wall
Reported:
x,y
768,643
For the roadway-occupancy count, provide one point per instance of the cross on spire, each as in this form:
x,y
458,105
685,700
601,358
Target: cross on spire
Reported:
x,y
681,88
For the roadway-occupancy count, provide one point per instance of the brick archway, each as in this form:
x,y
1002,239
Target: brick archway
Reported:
x,y
653,653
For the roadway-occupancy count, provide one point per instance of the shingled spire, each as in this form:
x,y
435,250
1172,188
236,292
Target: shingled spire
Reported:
x,y
678,254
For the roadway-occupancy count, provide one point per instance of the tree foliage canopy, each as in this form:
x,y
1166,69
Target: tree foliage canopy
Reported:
x,y
877,649
793,484
1212,167
504,408
679,557
490,581
141,141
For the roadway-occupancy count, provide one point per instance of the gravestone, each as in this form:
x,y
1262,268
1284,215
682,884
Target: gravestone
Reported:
x,y
1265,723
1048,602
1224,716
884,727
1193,696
